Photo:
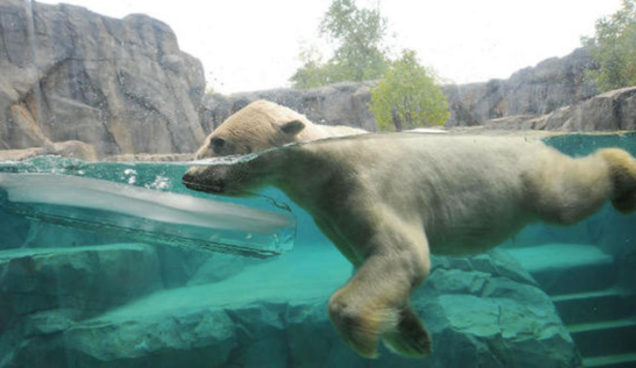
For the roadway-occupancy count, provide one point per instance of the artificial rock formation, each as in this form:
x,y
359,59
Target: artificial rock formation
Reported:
x,y
610,111
484,311
550,85
122,86
336,104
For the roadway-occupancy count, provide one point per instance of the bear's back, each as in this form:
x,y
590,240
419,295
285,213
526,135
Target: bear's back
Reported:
x,y
461,187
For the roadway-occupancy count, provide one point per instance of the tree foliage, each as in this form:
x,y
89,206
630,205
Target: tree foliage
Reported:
x,y
408,96
358,34
613,48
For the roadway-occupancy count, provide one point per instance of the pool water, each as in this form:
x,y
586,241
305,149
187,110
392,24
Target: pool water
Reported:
x,y
549,297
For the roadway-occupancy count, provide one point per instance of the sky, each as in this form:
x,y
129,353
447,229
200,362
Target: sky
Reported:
x,y
249,45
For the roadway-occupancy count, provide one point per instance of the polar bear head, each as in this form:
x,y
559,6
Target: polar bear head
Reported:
x,y
234,176
258,126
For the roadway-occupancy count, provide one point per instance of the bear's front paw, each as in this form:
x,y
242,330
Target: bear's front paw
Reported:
x,y
410,339
361,327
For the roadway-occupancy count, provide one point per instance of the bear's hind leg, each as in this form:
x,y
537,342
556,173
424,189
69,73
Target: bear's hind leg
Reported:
x,y
567,190
623,172
410,339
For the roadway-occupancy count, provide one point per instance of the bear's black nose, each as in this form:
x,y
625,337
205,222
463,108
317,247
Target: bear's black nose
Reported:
x,y
187,178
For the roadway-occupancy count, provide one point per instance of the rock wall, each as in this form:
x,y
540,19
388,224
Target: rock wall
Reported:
x,y
337,104
122,86
613,110
551,84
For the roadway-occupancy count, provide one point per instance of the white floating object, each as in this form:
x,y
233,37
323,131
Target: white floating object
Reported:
x,y
148,215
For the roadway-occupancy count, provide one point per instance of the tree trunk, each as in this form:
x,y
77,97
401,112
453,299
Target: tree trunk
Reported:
x,y
396,120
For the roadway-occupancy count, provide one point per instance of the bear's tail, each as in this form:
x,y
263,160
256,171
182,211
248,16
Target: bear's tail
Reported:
x,y
623,174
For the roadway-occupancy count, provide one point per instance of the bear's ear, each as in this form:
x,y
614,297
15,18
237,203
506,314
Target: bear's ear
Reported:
x,y
293,127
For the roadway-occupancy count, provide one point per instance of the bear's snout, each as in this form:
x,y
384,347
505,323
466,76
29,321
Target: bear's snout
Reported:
x,y
187,178
208,184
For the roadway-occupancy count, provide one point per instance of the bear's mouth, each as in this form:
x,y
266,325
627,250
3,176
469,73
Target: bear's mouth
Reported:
x,y
217,187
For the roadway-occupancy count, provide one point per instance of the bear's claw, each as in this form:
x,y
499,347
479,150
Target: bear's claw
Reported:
x,y
410,339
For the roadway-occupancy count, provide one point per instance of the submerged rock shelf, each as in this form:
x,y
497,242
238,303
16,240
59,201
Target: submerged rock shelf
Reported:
x,y
482,309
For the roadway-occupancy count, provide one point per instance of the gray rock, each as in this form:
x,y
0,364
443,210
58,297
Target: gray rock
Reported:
x,y
471,104
337,104
551,84
175,266
44,292
198,338
219,267
610,111
122,86
89,280
142,157
71,149
613,110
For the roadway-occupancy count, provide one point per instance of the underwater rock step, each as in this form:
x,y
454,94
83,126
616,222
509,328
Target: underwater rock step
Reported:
x,y
577,279
611,361
149,216
595,306
568,268
582,281
289,278
605,338
88,279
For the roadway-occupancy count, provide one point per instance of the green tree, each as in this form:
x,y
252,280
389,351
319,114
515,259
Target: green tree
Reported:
x,y
613,48
408,96
314,72
358,34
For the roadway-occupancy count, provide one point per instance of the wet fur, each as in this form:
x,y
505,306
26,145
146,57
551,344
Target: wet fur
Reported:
x,y
388,201
263,124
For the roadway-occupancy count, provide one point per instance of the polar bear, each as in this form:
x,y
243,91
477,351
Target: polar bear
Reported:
x,y
388,201
264,124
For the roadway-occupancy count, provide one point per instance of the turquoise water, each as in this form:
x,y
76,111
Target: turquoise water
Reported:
x,y
549,297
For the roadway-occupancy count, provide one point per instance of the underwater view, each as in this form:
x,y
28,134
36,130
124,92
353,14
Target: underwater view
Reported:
x,y
326,183
77,295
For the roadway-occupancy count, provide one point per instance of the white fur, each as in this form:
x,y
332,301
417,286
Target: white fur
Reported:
x,y
389,200
258,126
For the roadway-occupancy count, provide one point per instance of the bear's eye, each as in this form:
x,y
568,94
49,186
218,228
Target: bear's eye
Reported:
x,y
217,144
